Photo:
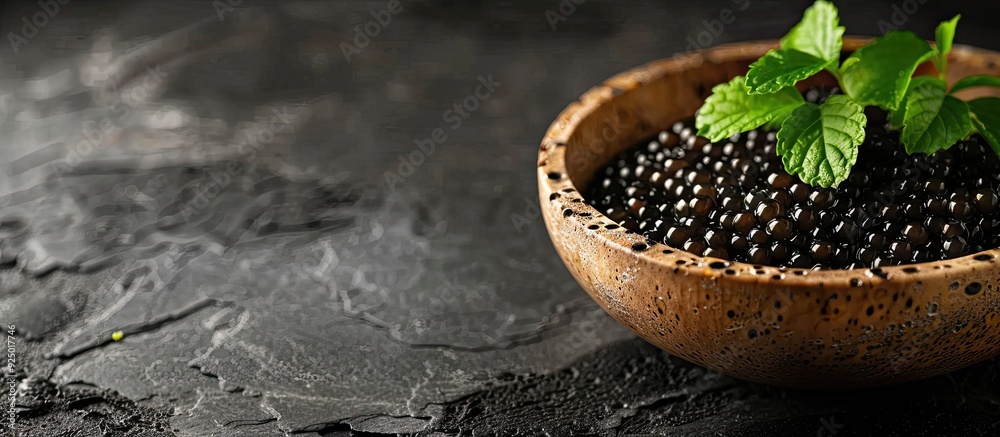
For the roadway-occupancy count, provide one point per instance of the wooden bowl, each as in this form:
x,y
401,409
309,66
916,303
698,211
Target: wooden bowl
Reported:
x,y
830,329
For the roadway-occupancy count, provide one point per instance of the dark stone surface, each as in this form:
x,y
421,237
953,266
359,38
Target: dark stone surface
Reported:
x,y
79,409
305,291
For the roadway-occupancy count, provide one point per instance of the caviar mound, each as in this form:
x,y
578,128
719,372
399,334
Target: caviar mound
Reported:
x,y
733,200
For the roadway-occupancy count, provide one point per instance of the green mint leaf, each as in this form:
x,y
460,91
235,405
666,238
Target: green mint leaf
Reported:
x,y
944,36
974,81
986,117
883,68
775,124
818,34
897,117
934,120
731,109
781,68
820,143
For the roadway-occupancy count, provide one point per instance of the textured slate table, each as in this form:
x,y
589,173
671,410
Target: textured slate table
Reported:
x,y
291,242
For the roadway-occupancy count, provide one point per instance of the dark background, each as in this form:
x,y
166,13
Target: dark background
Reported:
x,y
314,291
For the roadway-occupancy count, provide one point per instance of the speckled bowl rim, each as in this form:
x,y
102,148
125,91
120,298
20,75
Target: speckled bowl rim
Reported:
x,y
561,189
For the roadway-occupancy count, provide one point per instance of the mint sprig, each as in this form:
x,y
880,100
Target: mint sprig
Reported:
x,y
944,35
818,34
731,109
819,143
810,47
986,118
973,81
897,117
934,120
782,68
882,70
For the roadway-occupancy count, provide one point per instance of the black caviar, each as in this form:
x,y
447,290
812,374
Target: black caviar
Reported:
x,y
733,200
